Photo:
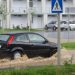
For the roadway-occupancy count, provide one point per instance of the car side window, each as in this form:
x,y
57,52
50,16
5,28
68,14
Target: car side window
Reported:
x,y
22,38
36,38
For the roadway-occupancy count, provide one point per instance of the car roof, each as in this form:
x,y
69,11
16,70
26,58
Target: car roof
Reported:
x,y
14,33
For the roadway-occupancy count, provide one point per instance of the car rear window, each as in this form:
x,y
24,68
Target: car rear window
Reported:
x,y
4,37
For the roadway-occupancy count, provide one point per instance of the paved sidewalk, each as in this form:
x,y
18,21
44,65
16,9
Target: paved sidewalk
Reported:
x,y
62,40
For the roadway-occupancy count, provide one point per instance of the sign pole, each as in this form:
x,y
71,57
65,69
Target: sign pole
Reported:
x,y
58,41
68,24
57,7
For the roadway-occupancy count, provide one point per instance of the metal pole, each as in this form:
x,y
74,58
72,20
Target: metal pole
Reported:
x,y
58,40
68,24
30,18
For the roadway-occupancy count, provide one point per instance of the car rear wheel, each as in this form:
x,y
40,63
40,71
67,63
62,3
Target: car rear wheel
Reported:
x,y
17,54
54,28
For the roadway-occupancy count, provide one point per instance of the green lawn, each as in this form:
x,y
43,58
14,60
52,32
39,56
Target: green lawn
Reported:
x,y
19,30
69,45
46,70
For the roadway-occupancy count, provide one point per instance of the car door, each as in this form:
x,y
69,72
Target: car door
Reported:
x,y
38,44
22,41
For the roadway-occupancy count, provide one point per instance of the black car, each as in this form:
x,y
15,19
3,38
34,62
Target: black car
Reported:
x,y
18,44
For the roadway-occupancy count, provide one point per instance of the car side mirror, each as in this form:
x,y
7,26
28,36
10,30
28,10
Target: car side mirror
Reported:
x,y
45,41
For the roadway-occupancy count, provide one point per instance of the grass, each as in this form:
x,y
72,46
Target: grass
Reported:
x,y
69,45
19,30
46,70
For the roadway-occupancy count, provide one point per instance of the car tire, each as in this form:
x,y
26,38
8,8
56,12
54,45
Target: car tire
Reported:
x,y
54,28
65,29
17,54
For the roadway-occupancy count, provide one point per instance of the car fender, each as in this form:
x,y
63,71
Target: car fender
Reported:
x,y
17,48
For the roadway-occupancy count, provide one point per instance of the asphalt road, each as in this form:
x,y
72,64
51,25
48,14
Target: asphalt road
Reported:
x,y
64,34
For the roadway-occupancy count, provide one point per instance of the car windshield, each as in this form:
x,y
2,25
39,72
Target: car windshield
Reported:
x,y
4,37
63,22
52,22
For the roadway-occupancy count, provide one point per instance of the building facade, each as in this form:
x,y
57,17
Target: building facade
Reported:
x,y
34,13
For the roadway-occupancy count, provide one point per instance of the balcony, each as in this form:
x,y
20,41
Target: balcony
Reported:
x,y
19,10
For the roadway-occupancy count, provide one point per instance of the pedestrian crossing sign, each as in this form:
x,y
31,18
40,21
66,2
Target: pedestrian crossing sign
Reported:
x,y
57,6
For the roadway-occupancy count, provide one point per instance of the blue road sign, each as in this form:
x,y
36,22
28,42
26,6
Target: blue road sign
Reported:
x,y
56,6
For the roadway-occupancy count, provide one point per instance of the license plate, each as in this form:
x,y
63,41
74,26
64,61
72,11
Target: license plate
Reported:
x,y
0,46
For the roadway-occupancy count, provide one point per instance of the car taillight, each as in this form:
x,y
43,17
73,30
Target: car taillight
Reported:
x,y
10,40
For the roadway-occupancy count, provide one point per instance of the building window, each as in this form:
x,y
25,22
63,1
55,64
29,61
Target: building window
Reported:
x,y
49,0
31,3
38,0
70,10
18,15
64,15
52,15
65,0
39,15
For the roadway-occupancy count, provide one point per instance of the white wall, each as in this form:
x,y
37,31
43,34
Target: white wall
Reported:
x,y
68,3
72,17
37,22
48,7
50,18
37,6
73,2
18,6
19,20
